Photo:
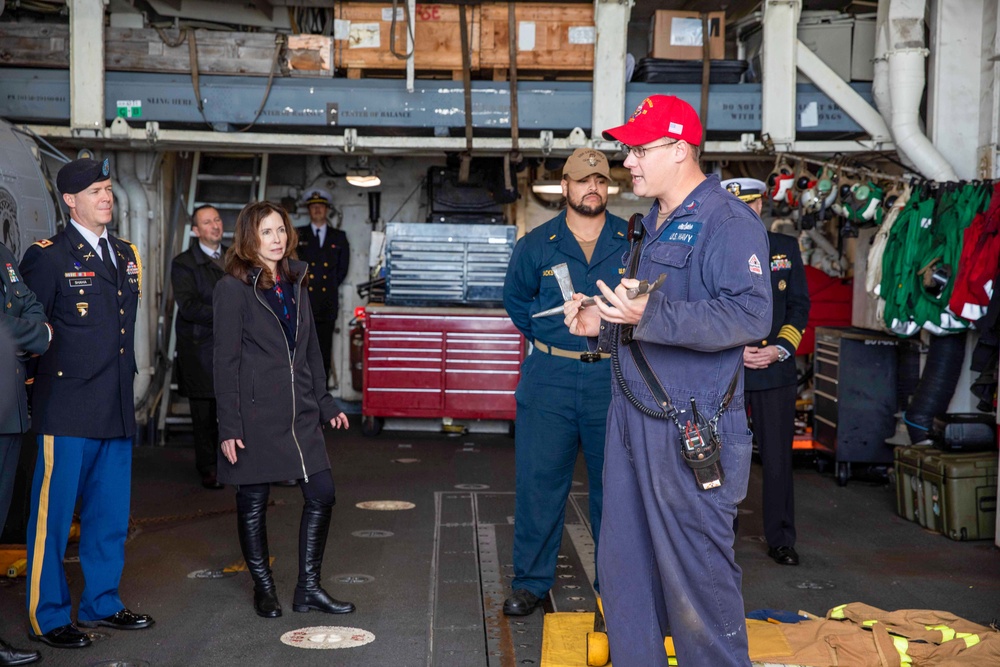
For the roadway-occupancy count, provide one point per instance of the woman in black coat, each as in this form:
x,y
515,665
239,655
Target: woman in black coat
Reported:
x,y
272,401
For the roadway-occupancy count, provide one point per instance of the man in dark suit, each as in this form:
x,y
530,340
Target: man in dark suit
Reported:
x,y
24,332
770,380
326,250
89,283
193,275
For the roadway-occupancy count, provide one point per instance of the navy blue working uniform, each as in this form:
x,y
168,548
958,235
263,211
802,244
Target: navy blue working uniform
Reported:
x,y
666,563
771,391
82,410
561,400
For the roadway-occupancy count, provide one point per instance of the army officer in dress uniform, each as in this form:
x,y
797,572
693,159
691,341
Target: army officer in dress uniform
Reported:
x,y
82,409
326,250
770,379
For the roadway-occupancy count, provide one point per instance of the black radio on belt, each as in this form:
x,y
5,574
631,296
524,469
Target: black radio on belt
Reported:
x,y
589,357
701,450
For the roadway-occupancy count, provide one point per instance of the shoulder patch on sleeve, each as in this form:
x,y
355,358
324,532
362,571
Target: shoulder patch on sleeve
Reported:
x,y
42,243
754,265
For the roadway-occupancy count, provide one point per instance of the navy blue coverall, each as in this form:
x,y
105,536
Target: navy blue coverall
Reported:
x,y
561,402
667,563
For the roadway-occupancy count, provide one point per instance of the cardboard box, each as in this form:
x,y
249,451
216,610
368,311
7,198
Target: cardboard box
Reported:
x,y
678,35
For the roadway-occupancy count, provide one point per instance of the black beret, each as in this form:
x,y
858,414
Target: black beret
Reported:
x,y
80,174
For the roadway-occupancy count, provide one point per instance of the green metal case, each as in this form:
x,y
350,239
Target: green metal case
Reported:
x,y
909,488
960,495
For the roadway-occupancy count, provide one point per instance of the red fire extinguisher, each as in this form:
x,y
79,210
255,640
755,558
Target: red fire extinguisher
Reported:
x,y
358,349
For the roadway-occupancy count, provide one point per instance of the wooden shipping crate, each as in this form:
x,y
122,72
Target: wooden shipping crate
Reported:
x,y
362,38
146,50
34,45
551,37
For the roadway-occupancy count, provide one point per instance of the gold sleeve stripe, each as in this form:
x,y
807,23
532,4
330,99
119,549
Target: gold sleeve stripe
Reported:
x,y
791,334
41,532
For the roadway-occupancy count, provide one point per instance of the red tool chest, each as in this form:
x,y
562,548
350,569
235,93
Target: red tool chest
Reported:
x,y
462,363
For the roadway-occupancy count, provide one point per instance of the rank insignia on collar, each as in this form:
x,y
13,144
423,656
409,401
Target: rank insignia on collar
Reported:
x,y
82,308
79,246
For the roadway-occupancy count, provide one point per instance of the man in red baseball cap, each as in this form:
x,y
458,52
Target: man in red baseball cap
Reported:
x,y
677,456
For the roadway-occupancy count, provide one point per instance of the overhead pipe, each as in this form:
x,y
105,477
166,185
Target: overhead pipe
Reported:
x,y
121,205
906,55
139,236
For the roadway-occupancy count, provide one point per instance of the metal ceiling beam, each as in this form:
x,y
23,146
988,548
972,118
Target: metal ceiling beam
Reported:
x,y
151,137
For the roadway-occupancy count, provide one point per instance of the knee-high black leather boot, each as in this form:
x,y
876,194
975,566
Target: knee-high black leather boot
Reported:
x,y
251,514
313,530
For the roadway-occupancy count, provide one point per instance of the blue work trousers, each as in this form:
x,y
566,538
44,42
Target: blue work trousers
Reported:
x,y
99,474
667,563
561,408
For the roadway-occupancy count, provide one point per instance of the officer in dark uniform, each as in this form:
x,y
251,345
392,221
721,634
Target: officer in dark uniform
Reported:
x,y
326,250
23,332
771,381
82,409
193,275
564,391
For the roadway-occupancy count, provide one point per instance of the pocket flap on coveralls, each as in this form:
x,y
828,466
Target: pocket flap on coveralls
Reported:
x,y
671,254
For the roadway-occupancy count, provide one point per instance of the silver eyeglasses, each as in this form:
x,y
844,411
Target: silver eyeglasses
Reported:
x,y
640,151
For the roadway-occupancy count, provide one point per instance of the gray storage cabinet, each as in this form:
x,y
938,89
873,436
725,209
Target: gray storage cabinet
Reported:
x,y
855,397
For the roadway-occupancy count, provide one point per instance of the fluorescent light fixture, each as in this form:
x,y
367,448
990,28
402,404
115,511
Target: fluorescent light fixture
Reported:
x,y
547,187
363,178
555,188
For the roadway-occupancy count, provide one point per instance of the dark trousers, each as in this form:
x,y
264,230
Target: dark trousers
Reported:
x,y
324,330
10,448
562,406
205,426
320,491
773,414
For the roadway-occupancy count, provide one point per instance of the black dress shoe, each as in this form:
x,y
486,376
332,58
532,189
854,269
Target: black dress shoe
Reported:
x,y
520,603
15,656
784,555
122,620
209,481
65,636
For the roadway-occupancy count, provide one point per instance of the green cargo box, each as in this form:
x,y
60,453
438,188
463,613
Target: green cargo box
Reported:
x,y
960,495
909,488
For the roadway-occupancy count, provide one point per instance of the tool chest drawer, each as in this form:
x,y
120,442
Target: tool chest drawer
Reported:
x,y
462,363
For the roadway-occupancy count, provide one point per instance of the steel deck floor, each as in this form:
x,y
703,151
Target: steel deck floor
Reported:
x,y
429,581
